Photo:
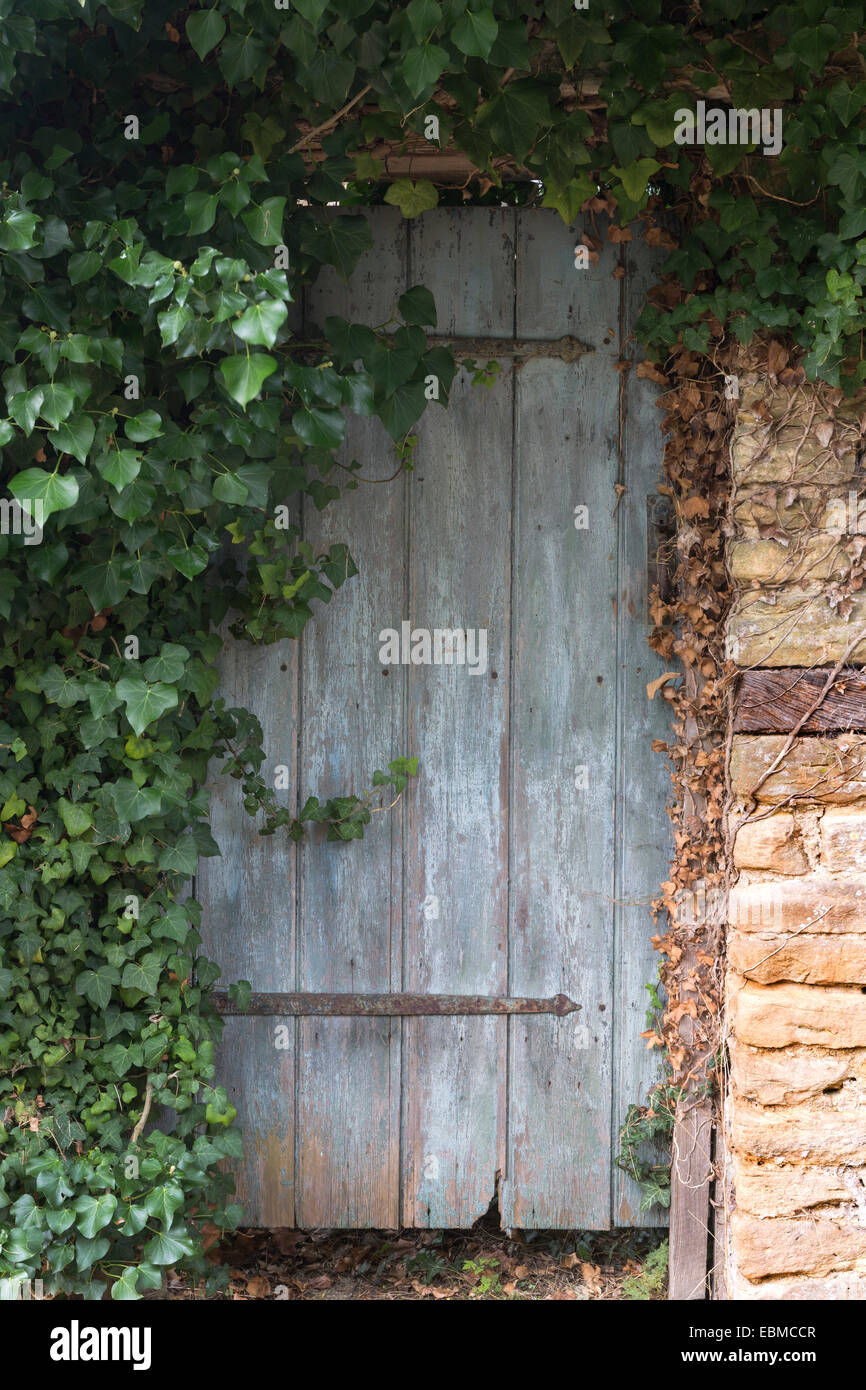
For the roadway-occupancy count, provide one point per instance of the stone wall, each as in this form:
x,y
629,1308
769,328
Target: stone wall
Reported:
x,y
795,1109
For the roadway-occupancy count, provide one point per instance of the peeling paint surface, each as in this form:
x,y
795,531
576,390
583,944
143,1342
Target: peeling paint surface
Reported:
x,y
500,872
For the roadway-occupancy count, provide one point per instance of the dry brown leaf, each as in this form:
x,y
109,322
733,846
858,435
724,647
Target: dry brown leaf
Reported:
x,y
648,371
777,357
653,687
824,432
695,506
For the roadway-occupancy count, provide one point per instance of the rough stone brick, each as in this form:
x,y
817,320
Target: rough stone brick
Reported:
x,y
771,844
804,1245
772,1189
796,1006
811,960
843,838
813,905
835,1288
825,1129
817,557
815,769
786,1075
766,451
778,1015
793,628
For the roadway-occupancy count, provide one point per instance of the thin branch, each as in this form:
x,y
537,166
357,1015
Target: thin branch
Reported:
x,y
148,1101
332,121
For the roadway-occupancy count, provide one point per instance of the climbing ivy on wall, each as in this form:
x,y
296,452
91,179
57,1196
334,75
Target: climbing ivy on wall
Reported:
x,y
161,213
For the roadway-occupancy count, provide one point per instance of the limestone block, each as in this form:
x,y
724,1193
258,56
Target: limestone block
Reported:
x,y
826,1129
812,905
771,1189
771,844
836,1288
795,627
811,960
786,1075
778,1015
772,561
843,838
805,1245
815,769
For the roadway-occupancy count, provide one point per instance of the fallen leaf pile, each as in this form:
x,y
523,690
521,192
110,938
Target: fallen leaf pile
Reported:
x,y
483,1263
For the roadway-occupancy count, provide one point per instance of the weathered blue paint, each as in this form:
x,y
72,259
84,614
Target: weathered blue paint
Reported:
x,y
505,869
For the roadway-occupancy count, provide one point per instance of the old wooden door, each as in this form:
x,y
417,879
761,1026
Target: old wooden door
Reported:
x,y
523,859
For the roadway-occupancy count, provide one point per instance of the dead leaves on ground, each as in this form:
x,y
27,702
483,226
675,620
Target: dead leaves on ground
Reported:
x,y
485,1263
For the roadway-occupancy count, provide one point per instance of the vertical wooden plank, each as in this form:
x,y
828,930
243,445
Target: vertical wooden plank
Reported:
x,y
563,702
457,821
644,838
553,297
350,909
248,926
691,1180
248,902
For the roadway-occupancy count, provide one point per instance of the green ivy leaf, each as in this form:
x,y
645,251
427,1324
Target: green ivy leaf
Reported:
x,y
134,501
164,1201
134,803
74,437
143,974
144,703
417,306
60,1220
17,228
240,56
634,179
169,1247
83,265
57,402
261,323
147,425
400,411
475,33
56,493
119,467
125,1288
181,858
412,197
422,67
228,487
516,116
97,986
245,375
94,1212
322,429
173,322
168,666
76,816
265,223
204,31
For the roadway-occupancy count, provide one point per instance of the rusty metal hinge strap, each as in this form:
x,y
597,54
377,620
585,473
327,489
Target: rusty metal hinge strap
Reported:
x,y
391,1005
567,349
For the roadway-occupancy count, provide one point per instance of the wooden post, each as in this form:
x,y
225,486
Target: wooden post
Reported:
x,y
691,1174
691,1161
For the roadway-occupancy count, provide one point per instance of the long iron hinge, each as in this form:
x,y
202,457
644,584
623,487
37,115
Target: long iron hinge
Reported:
x,y
392,1005
567,349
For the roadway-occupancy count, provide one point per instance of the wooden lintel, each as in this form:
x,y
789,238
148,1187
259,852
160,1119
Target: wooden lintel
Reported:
x,y
774,701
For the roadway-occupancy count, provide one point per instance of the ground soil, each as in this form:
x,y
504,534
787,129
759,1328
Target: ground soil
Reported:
x,y
484,1262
